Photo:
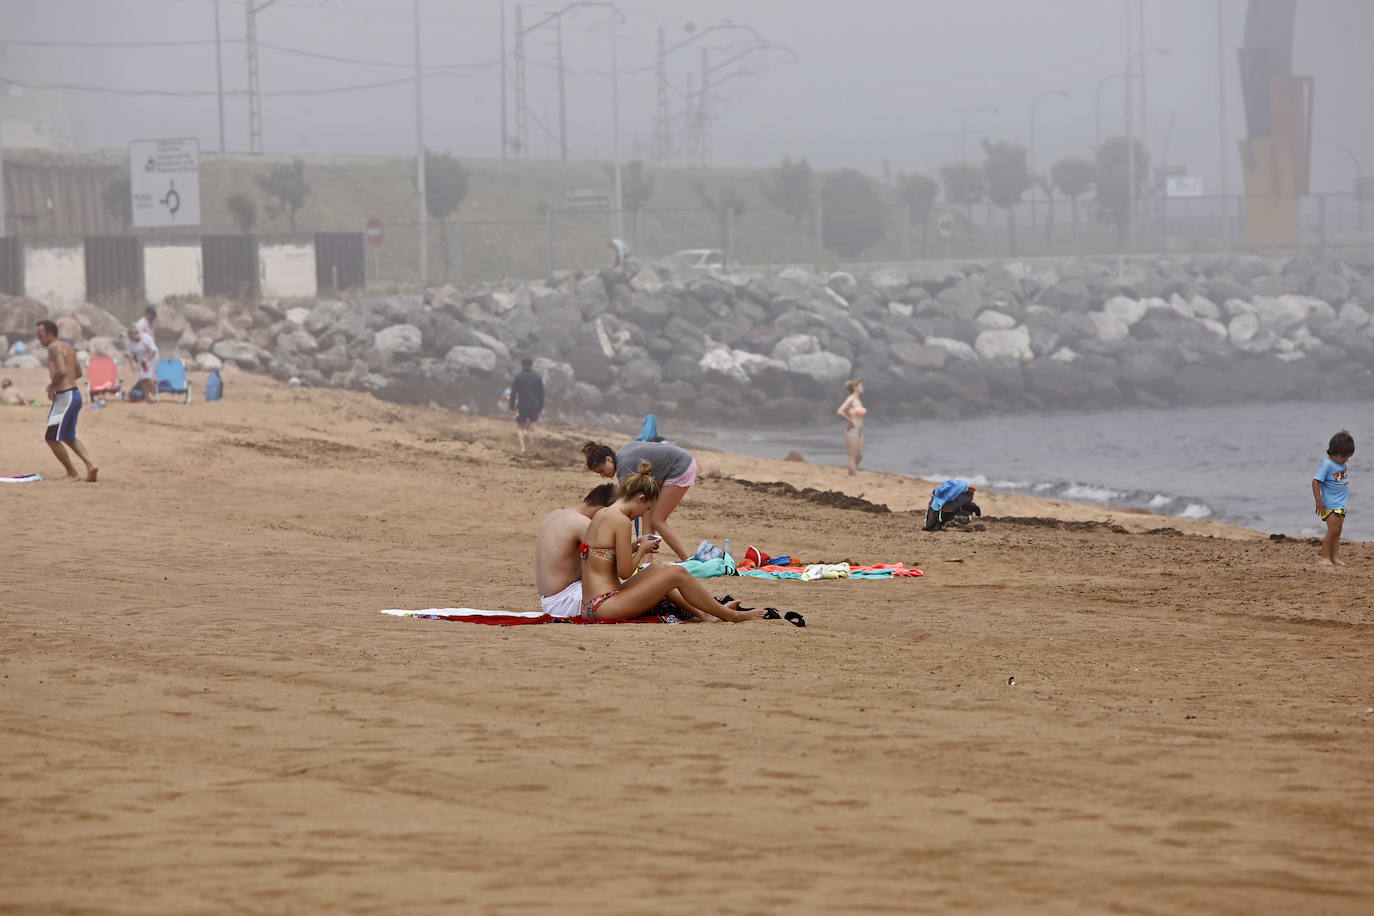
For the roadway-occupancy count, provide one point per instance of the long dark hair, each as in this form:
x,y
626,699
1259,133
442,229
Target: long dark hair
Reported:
x,y
597,454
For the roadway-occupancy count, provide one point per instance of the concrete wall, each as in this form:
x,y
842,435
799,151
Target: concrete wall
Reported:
x,y
171,269
55,274
288,269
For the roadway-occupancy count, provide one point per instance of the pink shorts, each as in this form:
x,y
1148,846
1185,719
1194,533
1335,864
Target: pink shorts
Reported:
x,y
686,478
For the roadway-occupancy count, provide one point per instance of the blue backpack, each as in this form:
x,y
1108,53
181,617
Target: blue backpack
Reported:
x,y
214,386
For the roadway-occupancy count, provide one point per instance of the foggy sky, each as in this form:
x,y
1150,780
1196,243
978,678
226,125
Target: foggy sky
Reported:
x,y
875,80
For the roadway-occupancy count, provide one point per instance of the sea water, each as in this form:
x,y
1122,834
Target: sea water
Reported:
x,y
1248,464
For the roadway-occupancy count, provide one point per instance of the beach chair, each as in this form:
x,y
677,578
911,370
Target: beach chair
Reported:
x,y
171,378
102,378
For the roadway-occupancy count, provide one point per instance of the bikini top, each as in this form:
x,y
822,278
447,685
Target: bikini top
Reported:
x,y
858,411
605,553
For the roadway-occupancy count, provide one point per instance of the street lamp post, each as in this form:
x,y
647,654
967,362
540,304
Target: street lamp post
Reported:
x,y
963,129
1030,156
1359,180
1097,130
422,214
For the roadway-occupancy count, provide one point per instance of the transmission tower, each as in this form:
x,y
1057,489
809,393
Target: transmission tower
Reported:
x,y
254,91
521,124
663,140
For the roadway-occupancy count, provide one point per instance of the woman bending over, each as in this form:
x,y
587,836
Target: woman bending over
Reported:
x,y
673,467
612,590
853,410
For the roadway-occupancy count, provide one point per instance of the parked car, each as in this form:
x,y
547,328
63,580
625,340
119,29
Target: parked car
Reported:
x,y
698,258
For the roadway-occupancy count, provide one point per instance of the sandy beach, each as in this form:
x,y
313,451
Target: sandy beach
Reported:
x,y
203,711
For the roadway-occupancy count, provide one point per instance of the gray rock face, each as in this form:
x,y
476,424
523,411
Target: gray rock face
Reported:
x,y
928,338
473,359
399,340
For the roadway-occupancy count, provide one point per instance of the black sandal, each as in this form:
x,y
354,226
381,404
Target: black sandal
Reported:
x,y
771,613
792,617
726,599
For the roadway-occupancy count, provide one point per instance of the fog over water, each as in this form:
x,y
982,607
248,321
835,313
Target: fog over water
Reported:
x,y
873,81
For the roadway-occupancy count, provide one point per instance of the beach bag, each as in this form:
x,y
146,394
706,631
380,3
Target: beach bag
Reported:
x,y
951,503
214,386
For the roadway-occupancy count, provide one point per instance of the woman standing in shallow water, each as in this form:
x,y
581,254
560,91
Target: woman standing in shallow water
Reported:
x,y
853,410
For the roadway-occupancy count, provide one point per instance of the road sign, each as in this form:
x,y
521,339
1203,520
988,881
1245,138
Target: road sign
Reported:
x,y
374,231
1183,186
164,182
944,224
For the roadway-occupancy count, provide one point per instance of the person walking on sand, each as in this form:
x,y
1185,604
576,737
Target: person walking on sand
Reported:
x,y
852,411
672,466
527,402
142,352
64,370
1331,490
611,558
557,563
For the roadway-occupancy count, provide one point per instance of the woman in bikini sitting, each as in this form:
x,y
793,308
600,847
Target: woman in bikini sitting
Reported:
x,y
853,410
611,588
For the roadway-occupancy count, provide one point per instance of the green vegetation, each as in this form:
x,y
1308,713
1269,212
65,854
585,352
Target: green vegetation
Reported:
x,y
853,213
285,184
244,211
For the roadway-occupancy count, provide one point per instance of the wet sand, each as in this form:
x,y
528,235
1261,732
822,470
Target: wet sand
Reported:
x,y
202,711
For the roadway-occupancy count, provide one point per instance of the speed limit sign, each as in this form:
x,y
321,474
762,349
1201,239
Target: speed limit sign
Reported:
x,y
944,224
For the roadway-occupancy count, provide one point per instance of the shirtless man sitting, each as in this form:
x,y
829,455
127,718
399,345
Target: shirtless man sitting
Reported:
x,y
557,564
64,370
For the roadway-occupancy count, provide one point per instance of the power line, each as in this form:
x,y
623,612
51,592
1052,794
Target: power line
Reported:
x,y
202,93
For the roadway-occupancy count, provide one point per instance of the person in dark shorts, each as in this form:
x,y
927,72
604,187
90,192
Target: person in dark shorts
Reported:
x,y
527,402
64,370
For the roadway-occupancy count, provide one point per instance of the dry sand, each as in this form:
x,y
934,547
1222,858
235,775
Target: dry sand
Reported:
x,y
202,710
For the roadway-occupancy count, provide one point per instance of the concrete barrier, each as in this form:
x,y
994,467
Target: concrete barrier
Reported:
x,y
288,269
171,269
55,272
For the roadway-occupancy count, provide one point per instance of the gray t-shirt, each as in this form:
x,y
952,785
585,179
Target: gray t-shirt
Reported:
x,y
669,460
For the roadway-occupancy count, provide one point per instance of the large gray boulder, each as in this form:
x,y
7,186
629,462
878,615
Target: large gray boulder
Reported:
x,y
399,340
19,318
471,359
199,315
242,352
1069,295
823,368
1004,345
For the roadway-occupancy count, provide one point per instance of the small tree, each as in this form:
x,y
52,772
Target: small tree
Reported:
x,y
1113,170
1008,179
725,203
285,184
790,190
446,184
854,215
244,211
636,185
917,193
1073,176
118,199
965,184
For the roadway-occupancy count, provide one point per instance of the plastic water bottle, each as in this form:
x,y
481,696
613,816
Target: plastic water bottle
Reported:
x,y
727,547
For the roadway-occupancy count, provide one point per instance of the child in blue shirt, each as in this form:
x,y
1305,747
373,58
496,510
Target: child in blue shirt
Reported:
x,y
1330,488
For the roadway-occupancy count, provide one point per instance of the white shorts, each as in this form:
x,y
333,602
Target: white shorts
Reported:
x,y
147,370
567,603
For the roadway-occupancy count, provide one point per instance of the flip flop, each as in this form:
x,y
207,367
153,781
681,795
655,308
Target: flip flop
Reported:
x,y
726,599
792,617
771,613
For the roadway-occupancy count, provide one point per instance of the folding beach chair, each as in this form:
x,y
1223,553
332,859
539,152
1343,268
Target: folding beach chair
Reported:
x,y
102,378
171,378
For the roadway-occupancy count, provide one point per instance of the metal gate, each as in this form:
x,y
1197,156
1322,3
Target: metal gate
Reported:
x,y
114,268
230,264
11,266
339,260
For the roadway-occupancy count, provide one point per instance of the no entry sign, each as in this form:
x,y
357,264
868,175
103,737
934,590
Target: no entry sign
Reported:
x,y
374,231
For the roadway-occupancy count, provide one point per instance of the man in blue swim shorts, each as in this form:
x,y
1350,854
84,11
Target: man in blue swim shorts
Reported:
x,y
64,370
